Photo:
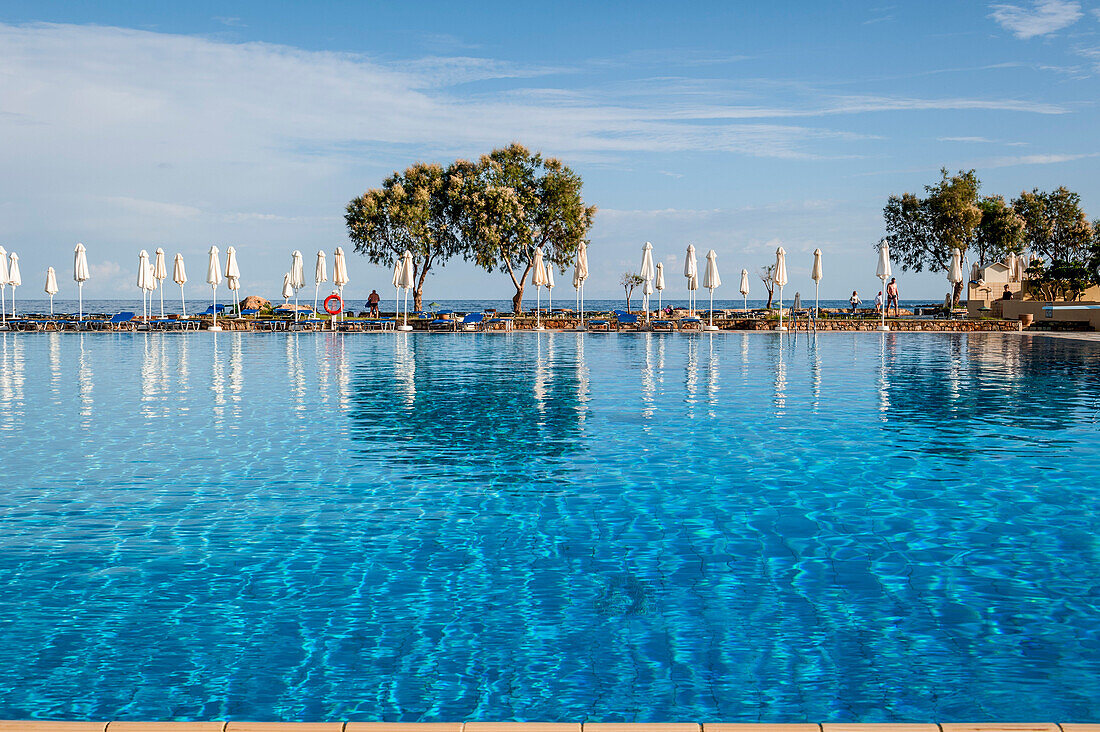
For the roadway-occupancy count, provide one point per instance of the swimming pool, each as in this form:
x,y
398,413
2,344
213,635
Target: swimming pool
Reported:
x,y
730,526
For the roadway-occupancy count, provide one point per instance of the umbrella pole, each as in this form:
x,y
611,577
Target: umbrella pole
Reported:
x,y
80,303
316,287
51,306
162,299
4,303
817,300
538,308
712,306
781,307
183,304
295,305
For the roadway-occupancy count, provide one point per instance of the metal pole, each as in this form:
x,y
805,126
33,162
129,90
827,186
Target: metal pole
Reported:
x,y
817,299
781,307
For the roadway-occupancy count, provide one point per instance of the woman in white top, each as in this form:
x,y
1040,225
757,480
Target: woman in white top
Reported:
x,y
854,301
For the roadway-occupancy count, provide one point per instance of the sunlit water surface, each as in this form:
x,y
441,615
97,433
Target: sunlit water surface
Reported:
x,y
558,527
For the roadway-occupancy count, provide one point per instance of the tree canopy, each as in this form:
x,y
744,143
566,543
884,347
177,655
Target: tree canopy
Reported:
x,y
494,213
924,231
517,201
411,211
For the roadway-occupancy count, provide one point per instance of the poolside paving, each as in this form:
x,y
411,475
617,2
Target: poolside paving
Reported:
x,y
41,725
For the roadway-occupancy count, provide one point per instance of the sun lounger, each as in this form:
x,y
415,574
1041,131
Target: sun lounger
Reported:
x,y
499,324
599,324
691,323
630,320
669,325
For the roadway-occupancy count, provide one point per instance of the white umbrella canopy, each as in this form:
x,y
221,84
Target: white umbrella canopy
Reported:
x,y
955,271
580,274
406,283
214,278
340,273
550,286
297,277
288,289
297,270
145,273
339,268
711,280
160,274
659,283
816,275
51,285
80,275
15,279
691,272
883,272
538,279
320,274
744,289
648,272
779,277
233,275
179,276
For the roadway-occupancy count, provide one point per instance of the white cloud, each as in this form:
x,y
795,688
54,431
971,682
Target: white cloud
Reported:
x,y
1041,18
1039,159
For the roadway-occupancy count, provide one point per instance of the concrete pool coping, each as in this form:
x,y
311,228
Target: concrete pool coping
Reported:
x,y
215,726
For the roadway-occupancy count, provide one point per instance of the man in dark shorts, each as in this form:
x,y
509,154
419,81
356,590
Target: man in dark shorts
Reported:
x,y
372,303
892,296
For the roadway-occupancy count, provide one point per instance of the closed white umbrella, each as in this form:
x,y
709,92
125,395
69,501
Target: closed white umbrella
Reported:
x,y
648,273
3,285
179,276
150,286
883,272
160,274
143,276
580,274
14,278
407,284
955,272
320,274
233,276
398,269
297,277
80,276
340,274
538,279
51,286
549,288
711,280
780,279
214,278
288,290
659,283
816,275
745,287
691,272
1011,263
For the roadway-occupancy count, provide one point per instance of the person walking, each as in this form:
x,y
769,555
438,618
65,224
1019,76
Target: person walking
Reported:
x,y
878,302
892,297
372,302
854,301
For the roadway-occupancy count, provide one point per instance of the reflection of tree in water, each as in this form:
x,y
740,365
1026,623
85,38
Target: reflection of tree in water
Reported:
x,y
966,387
478,403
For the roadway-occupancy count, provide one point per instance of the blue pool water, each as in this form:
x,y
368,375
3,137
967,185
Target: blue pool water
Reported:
x,y
729,527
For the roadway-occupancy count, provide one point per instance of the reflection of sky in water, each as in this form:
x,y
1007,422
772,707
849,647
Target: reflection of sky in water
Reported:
x,y
553,526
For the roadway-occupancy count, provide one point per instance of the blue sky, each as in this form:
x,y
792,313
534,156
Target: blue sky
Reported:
x,y
733,126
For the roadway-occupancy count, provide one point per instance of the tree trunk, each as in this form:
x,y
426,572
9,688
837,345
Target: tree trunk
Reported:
x,y
517,301
771,293
418,299
956,294
628,300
